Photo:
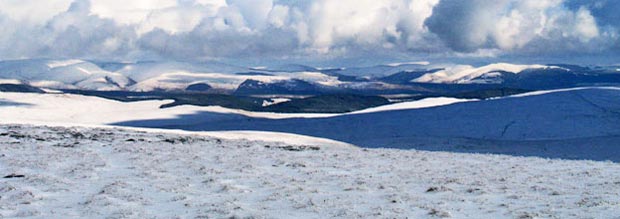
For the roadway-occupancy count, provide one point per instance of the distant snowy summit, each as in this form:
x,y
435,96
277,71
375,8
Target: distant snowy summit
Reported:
x,y
493,73
394,78
76,74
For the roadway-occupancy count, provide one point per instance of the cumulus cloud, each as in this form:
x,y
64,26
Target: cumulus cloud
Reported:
x,y
33,11
512,25
199,29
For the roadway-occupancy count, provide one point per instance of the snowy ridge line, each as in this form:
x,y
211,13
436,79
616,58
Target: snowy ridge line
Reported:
x,y
10,81
542,92
109,109
417,104
230,135
63,63
396,64
148,76
466,73
176,76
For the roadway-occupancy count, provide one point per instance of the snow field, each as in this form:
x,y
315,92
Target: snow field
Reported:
x,y
122,173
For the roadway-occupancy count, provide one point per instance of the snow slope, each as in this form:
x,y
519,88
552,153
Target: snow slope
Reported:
x,y
78,109
576,123
53,172
180,80
384,70
581,123
464,74
178,75
170,75
147,76
418,104
10,81
63,74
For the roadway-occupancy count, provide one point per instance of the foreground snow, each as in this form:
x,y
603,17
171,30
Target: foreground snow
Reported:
x,y
102,172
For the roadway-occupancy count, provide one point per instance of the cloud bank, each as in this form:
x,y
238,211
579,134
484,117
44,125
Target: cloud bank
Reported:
x,y
237,29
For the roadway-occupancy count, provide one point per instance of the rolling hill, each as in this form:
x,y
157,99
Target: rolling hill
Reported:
x,y
581,123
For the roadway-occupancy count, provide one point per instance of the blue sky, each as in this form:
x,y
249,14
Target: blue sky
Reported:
x,y
320,31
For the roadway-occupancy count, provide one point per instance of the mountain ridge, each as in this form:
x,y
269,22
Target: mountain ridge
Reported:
x,y
398,78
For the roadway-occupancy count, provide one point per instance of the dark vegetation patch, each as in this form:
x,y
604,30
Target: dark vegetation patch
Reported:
x,y
289,87
228,101
320,103
336,103
14,176
198,87
21,88
294,148
490,93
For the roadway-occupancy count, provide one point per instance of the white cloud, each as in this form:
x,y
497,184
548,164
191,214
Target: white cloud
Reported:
x,y
586,25
513,26
33,11
254,12
278,16
129,11
134,29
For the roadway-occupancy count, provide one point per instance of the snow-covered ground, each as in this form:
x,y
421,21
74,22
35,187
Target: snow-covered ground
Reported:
x,y
97,171
418,104
54,172
78,109
580,123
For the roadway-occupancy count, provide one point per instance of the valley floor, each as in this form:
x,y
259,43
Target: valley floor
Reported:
x,y
53,172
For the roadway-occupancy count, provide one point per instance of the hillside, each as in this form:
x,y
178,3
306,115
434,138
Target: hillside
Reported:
x,y
582,123
54,172
417,78
579,123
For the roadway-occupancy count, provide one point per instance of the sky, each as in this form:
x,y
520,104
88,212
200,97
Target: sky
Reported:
x,y
574,31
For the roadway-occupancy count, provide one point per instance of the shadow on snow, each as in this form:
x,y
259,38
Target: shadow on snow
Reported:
x,y
581,124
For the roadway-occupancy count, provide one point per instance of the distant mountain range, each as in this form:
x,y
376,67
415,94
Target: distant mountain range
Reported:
x,y
214,77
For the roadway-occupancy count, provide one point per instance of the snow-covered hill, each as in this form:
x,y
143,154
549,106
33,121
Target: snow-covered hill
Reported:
x,y
179,75
396,78
102,172
54,172
68,74
383,70
582,123
145,76
51,108
463,74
